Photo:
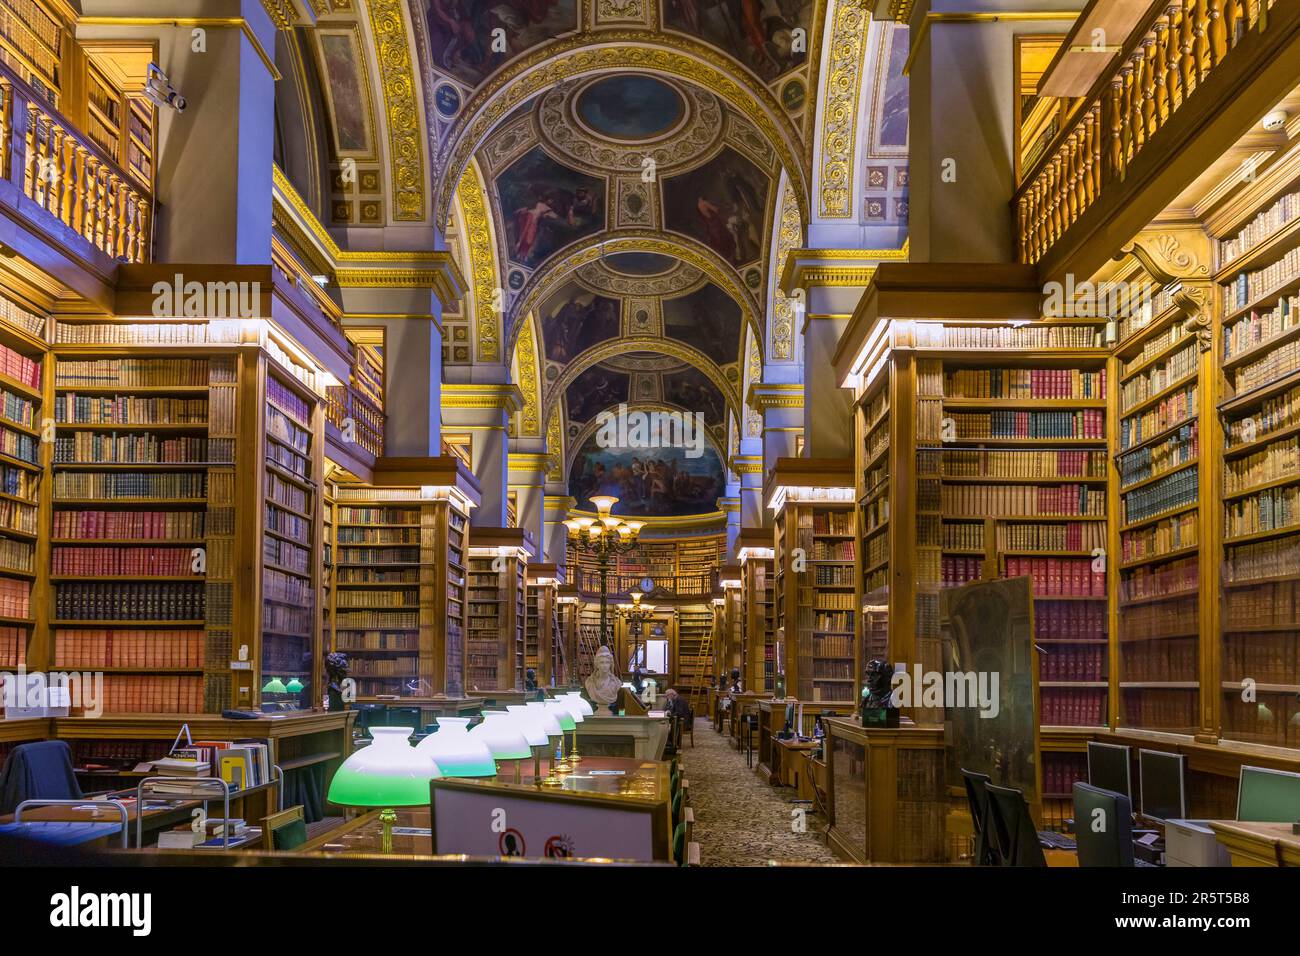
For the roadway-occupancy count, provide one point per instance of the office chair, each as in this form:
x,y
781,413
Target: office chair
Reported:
x,y
986,847
1014,827
286,830
38,771
1112,845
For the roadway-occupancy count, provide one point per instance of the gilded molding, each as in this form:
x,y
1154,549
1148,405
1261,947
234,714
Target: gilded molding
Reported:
x,y
839,107
397,75
764,396
281,12
803,262
788,237
528,461
555,445
575,55
482,256
507,397
530,418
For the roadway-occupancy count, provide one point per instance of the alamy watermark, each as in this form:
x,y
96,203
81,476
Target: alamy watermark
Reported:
x,y
82,691
654,429
921,688
210,300
1088,300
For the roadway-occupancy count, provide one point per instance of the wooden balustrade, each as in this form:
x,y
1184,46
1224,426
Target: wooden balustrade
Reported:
x,y
682,585
354,414
1183,43
61,170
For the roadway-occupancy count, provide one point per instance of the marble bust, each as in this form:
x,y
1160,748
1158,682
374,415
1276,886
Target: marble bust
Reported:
x,y
603,685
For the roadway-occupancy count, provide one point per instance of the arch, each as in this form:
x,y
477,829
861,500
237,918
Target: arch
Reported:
x,y
485,292
528,377
587,430
669,347
607,50
593,248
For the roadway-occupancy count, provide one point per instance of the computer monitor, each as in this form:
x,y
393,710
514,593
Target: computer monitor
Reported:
x,y
1110,767
1161,777
1268,796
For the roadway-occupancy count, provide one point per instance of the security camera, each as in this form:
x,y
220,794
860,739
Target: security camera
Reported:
x,y
1275,120
159,89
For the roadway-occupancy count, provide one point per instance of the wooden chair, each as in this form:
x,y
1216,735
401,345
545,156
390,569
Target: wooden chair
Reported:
x,y
288,825
689,729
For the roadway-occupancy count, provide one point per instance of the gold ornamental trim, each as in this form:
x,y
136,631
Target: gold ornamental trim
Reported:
x,y
528,461
820,262
397,77
839,110
530,418
486,289
764,396
507,397
788,238
281,12
555,445
603,51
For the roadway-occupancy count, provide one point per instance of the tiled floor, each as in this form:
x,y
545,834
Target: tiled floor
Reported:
x,y
740,820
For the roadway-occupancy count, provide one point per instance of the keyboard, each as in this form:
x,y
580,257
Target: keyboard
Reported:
x,y
1055,841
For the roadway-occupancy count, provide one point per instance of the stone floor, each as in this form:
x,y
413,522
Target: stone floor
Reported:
x,y
740,820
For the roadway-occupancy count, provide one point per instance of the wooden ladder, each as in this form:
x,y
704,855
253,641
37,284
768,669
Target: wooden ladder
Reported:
x,y
705,655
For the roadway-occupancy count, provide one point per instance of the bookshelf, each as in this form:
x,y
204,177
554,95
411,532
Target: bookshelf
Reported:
x,y
494,639
694,632
872,431
758,590
541,634
377,606
140,447
291,539
1258,352
815,544
1159,391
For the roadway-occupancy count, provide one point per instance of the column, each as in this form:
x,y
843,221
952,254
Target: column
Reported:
x,y
781,406
527,479
482,411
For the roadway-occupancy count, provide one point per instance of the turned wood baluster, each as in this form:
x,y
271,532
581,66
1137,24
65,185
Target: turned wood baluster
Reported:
x,y
1115,168
77,217
112,195
1150,121
1218,33
1158,68
1069,210
132,215
1132,125
6,125
142,234
1081,153
35,150
1187,46
1201,27
101,205
1092,157
1054,228
1036,218
1232,22
1173,88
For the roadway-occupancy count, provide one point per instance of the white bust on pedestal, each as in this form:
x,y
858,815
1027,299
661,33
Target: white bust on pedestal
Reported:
x,y
602,685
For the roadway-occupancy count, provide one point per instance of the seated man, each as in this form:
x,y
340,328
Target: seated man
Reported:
x,y
675,705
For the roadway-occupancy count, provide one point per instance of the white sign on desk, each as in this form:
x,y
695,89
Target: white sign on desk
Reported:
x,y
495,823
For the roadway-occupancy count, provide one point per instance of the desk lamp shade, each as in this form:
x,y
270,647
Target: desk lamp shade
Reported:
x,y
294,686
503,735
571,705
388,773
530,724
562,714
550,721
581,701
455,752
275,686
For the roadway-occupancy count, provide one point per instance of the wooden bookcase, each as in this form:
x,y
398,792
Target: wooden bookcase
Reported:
x,y
542,641
815,546
495,649
693,633
758,589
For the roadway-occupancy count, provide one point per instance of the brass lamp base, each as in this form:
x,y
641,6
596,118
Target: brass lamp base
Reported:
x,y
387,817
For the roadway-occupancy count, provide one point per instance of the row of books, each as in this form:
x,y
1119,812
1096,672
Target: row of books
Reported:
x,y
74,409
1279,460
286,554
286,588
1262,228
152,694
351,514
10,311
963,536
1181,447
1260,327
284,398
15,598
1059,577
1072,707
17,445
877,551
1061,771
144,333
1264,559
288,524
1178,578
385,666
1271,719
832,522
282,621
140,372
831,670
1159,709
1057,536
379,555
379,640
1026,337
378,576
1279,362
956,570
1173,491
16,408
1172,660
18,481
1014,500
831,576
16,516
831,551
19,367
1170,411
1263,658
13,649
827,621
1021,383
1160,619
1024,464
825,645
386,598
287,494
129,601
1181,365
146,525
145,561
1069,620
1155,344
1274,414
1249,286
834,601
1148,306
376,620
17,555
91,484
1269,510
285,429
1079,662
124,648
1083,423
1172,534
131,448
355,535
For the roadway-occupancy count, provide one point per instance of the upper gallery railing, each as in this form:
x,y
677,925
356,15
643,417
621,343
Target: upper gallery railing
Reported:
x,y
64,172
356,416
1184,42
